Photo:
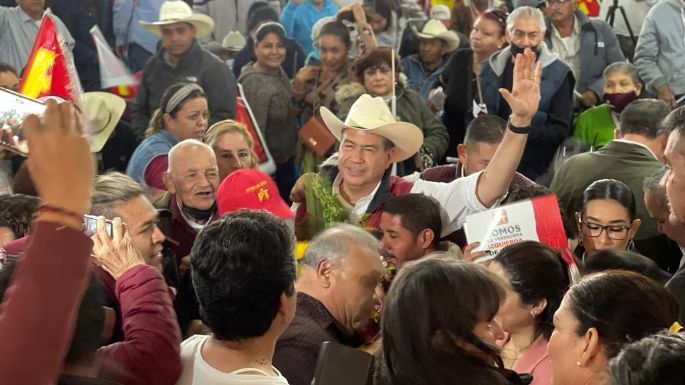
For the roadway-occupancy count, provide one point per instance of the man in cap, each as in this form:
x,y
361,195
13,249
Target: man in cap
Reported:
x,y
435,44
181,59
372,140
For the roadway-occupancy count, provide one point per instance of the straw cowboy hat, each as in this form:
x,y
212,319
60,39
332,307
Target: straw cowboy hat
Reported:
x,y
435,29
373,115
177,11
104,111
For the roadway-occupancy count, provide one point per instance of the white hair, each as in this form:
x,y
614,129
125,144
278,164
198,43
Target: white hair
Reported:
x,y
526,13
187,143
335,243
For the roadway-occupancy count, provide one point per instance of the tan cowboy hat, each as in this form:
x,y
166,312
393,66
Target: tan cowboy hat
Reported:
x,y
104,111
177,11
234,41
435,29
373,115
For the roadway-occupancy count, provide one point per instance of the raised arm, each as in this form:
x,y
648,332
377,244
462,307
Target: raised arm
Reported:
x,y
523,99
39,309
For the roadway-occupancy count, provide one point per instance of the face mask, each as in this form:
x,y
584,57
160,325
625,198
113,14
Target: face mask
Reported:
x,y
198,214
618,102
515,50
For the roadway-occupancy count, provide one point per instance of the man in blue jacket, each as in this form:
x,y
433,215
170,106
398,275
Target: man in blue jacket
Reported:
x,y
552,122
299,16
587,46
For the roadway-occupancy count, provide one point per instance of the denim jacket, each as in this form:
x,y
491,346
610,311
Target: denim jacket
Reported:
x,y
419,81
154,145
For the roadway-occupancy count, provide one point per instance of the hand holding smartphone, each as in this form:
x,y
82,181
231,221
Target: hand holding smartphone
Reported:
x,y
90,225
14,108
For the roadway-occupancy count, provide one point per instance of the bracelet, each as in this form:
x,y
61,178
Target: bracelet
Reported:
x,y
59,210
518,130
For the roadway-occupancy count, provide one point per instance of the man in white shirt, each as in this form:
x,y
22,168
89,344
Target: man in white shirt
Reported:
x,y
18,30
372,140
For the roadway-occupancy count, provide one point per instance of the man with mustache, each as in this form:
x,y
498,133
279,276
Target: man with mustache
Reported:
x,y
552,122
587,46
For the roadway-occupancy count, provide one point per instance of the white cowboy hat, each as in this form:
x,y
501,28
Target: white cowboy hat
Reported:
x,y
373,115
177,11
440,12
234,41
104,110
435,29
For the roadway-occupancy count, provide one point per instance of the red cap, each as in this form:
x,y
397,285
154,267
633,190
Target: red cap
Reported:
x,y
251,189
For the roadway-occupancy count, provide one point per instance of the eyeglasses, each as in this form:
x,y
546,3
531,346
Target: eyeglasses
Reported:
x,y
594,230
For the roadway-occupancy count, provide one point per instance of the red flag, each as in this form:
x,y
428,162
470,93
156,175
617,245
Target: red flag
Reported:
x,y
50,70
589,7
243,114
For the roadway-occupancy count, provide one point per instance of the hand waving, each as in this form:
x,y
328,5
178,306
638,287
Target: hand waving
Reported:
x,y
524,97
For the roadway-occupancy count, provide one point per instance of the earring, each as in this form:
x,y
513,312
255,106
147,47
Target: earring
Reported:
x,y
578,363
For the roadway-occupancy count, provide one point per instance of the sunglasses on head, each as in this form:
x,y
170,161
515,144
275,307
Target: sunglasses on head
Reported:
x,y
497,15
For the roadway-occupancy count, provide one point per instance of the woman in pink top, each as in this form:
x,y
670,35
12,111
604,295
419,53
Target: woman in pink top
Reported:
x,y
535,279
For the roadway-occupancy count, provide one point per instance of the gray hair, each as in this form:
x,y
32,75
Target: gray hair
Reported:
x,y
625,68
111,190
652,184
526,13
334,244
187,143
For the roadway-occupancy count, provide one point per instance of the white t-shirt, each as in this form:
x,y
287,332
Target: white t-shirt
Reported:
x,y
196,371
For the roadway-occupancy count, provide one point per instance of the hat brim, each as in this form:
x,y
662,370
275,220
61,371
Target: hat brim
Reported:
x,y
204,25
406,137
116,107
449,37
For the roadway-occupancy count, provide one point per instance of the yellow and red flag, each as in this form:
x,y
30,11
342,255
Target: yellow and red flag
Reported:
x,y
589,7
50,68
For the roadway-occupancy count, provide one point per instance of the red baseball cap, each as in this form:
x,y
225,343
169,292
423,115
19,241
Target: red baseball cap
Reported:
x,y
251,189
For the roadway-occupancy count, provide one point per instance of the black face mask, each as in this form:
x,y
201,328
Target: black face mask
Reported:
x,y
201,215
515,50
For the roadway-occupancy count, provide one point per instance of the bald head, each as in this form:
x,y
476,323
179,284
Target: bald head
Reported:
x,y
192,175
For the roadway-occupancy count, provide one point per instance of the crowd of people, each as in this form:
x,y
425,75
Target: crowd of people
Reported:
x,y
290,174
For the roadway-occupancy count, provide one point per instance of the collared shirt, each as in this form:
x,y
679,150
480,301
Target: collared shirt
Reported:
x,y
127,15
568,48
639,144
298,347
357,210
457,199
18,32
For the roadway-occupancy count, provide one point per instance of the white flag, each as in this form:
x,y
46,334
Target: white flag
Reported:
x,y
112,71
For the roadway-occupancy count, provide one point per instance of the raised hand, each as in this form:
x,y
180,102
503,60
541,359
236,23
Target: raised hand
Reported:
x,y
60,162
524,97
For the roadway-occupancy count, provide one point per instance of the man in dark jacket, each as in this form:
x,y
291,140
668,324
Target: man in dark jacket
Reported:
x,y
181,59
552,121
587,46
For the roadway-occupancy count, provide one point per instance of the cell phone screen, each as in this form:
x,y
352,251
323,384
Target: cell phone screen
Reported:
x,y
14,108
90,225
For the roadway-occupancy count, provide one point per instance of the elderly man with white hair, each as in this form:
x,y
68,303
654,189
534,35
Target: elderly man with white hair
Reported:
x,y
552,122
191,181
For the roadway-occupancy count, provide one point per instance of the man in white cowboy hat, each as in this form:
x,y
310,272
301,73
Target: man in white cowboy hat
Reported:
x,y
182,59
371,140
436,42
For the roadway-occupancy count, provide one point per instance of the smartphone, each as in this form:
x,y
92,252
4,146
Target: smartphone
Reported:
x,y
90,225
14,108
341,365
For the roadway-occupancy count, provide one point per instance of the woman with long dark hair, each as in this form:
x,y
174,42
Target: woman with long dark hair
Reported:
x,y
438,326
460,79
536,278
